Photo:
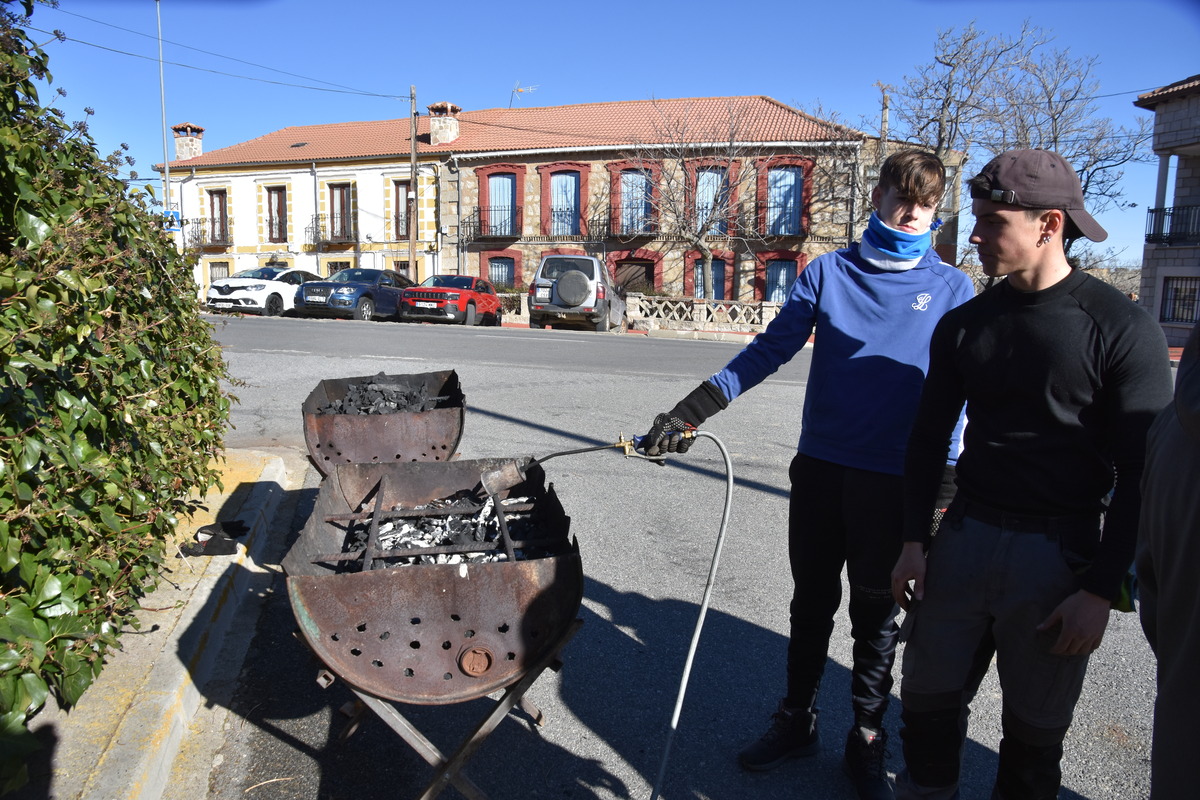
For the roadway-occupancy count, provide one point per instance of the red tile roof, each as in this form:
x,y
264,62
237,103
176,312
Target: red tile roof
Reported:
x,y
1175,91
613,125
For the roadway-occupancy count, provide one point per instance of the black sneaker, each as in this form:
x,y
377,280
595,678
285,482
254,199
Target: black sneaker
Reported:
x,y
793,734
866,763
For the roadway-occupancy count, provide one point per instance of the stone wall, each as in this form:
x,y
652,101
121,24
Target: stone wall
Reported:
x,y
1177,124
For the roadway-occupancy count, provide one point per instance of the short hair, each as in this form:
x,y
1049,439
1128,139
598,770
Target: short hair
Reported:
x,y
916,174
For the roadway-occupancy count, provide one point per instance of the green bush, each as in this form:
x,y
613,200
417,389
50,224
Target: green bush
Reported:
x,y
111,404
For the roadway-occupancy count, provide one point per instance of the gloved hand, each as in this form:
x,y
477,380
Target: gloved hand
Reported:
x,y
665,435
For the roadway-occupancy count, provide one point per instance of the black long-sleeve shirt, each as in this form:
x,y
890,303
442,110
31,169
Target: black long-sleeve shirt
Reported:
x,y
1061,386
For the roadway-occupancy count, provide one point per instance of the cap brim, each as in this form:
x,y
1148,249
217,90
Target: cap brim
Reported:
x,y
1086,225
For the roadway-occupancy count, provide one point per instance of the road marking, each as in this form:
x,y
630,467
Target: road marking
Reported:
x,y
534,337
310,352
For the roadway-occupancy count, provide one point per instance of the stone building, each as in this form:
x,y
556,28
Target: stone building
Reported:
x,y
1171,259
652,187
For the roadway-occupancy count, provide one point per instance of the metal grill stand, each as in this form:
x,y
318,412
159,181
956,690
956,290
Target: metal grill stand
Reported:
x,y
450,770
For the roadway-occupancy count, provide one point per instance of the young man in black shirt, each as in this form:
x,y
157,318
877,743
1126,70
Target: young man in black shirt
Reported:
x,y
1062,376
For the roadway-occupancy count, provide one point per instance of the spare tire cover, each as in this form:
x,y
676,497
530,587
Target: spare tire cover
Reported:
x,y
573,287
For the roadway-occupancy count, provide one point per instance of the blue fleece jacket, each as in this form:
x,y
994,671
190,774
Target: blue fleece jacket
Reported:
x,y
870,353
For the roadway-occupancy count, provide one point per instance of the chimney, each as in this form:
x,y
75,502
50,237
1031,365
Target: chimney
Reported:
x,y
187,140
443,122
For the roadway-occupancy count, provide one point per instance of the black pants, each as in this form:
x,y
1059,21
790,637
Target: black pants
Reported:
x,y
842,516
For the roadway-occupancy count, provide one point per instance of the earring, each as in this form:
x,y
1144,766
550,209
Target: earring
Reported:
x,y
1045,239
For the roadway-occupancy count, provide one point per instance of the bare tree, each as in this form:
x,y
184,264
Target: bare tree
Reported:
x,y
950,102
983,94
701,172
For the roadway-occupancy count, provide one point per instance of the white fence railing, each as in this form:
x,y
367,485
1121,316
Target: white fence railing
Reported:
x,y
675,313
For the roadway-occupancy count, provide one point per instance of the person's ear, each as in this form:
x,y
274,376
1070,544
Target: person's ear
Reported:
x,y
1052,222
876,196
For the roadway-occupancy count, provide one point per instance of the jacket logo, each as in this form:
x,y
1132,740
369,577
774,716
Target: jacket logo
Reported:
x,y
922,303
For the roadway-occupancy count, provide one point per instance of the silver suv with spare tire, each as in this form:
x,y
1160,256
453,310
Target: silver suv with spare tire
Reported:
x,y
576,289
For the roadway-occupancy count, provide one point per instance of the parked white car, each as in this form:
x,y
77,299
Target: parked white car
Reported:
x,y
270,291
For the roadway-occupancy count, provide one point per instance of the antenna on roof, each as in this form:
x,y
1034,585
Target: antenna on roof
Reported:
x,y
519,89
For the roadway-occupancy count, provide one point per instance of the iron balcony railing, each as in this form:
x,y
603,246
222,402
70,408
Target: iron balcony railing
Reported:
x,y
401,225
277,230
782,220
334,228
209,233
493,222
634,221
564,221
1176,225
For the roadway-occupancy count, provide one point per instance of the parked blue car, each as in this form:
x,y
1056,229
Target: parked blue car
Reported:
x,y
356,292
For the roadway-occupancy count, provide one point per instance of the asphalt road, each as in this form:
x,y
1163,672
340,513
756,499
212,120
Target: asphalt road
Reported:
x,y
646,534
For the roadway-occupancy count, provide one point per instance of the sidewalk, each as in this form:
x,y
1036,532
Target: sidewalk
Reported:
x,y
119,742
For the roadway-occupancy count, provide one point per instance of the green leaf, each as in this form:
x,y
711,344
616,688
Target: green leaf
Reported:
x,y
15,739
76,678
10,552
109,517
35,691
30,454
19,622
32,228
49,588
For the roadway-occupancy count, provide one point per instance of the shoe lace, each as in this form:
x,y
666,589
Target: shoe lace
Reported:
x,y
781,726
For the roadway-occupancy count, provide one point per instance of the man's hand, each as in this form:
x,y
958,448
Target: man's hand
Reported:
x,y
909,567
1083,617
666,436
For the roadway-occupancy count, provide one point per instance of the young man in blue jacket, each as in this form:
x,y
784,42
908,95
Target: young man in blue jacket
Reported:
x,y
872,308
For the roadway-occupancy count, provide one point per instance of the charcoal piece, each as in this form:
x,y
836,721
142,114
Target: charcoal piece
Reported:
x,y
379,395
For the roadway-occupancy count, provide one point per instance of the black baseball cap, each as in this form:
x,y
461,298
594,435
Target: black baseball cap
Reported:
x,y
1037,179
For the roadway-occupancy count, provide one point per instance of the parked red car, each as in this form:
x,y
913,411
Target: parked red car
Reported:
x,y
452,298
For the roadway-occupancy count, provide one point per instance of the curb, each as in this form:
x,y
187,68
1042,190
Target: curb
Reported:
x,y
708,336
121,739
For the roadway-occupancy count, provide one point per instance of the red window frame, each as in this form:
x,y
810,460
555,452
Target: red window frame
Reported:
x,y
277,214
762,168
615,202
545,172
481,178
732,169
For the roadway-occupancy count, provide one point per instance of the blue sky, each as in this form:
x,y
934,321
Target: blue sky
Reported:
x,y
355,59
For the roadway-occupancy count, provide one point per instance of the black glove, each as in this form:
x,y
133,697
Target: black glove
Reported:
x,y
666,434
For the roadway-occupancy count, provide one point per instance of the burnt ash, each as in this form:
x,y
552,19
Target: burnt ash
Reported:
x,y
479,526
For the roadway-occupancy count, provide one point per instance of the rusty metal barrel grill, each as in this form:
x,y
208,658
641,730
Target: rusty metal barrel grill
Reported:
x,y
403,619
430,633
429,434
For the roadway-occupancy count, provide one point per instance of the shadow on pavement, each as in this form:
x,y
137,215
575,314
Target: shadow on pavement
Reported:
x,y
607,712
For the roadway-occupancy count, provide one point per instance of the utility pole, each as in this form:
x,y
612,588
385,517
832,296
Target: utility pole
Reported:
x,y
883,122
162,98
411,201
